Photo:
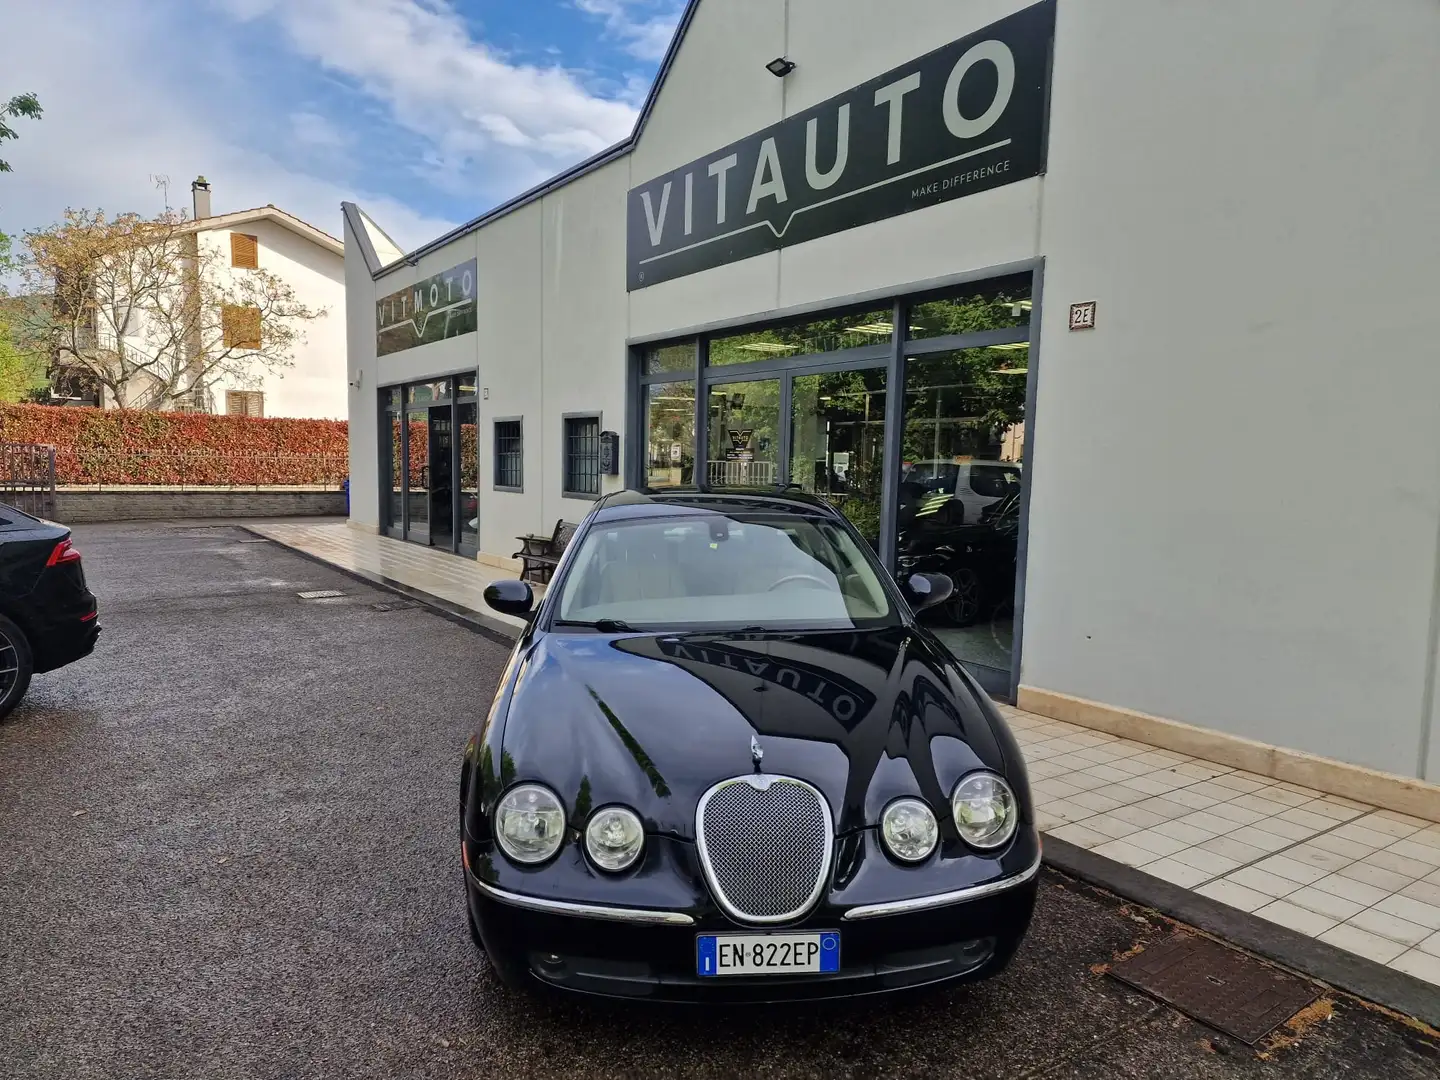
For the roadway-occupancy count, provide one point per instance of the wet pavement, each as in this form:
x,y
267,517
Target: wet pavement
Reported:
x,y
228,849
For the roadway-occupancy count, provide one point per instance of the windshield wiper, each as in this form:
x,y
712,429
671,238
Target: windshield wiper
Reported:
x,y
605,626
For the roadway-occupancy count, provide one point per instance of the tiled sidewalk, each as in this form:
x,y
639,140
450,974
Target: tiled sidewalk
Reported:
x,y
1362,879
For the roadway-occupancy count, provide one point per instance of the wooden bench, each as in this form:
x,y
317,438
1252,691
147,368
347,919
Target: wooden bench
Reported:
x,y
541,554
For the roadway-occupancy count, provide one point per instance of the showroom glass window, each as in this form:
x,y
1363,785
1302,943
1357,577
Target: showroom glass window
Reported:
x,y
667,420
431,463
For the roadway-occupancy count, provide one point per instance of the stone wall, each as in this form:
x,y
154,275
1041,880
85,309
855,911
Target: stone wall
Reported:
x,y
148,504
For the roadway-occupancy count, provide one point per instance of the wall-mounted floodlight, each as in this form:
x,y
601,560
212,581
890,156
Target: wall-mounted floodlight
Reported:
x,y
780,67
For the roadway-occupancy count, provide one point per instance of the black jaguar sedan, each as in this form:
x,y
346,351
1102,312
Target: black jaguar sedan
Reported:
x,y
47,612
727,763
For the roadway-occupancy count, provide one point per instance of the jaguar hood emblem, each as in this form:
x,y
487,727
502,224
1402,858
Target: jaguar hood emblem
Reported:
x,y
756,754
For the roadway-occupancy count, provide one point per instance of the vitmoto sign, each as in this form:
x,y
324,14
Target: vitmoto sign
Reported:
x,y
442,306
967,117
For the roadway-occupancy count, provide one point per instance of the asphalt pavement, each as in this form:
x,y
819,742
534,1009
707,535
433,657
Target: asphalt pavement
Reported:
x,y
228,849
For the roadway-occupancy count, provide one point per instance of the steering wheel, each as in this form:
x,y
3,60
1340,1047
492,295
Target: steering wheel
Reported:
x,y
799,577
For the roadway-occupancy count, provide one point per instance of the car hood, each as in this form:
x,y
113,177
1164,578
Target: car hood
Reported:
x,y
652,721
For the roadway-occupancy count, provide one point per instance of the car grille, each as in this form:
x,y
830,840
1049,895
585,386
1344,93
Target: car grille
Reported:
x,y
765,845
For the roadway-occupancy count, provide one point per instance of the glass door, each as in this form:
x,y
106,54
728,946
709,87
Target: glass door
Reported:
x,y
744,434
961,479
465,418
417,475
442,478
837,442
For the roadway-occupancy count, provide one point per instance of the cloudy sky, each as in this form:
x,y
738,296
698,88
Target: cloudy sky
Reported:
x,y
426,112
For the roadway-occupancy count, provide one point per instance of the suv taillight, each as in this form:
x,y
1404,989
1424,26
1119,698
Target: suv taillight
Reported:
x,y
64,552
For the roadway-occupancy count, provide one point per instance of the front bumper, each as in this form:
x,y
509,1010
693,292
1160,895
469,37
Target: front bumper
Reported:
x,y
650,954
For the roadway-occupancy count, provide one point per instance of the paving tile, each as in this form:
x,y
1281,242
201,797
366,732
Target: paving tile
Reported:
x,y
1421,965
1210,789
1435,877
1188,834
1124,852
1086,739
1429,837
1377,876
1357,892
1397,864
1306,817
1411,910
1233,849
1265,807
1378,822
1334,811
1288,829
1165,807
1336,907
1338,800
1422,854
1190,797
1080,835
1157,842
1352,849
1374,921
1130,767
1212,864
1258,837
1241,782
1063,746
1296,918
1252,877
1286,867
1112,827
1296,789
1371,946
1237,896
1070,761
1427,892
1098,755
1198,771
1146,819
1203,819
1328,861
1283,796
1047,822
1095,801
1106,773
1153,783
1065,810
1177,873
1054,788
1084,780
1431,945
1240,815
1042,770
1415,823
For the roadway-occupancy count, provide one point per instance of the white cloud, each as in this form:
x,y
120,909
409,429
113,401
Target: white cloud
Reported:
x,y
113,117
644,34
462,95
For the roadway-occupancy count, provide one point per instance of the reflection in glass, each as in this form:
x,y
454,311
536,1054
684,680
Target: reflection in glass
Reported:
x,y
801,339
679,356
961,480
417,464
465,385
423,393
397,467
669,434
442,479
837,442
465,417
995,305
744,429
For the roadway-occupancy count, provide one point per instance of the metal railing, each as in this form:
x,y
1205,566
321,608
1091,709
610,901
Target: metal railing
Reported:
x,y
741,473
27,478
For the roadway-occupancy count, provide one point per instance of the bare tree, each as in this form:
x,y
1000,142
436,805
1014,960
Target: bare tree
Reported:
x,y
152,313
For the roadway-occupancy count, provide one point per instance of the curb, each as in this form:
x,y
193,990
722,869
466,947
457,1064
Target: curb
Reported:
x,y
1299,952
471,620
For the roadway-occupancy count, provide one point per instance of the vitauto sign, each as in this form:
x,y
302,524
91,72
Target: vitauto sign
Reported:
x,y
967,117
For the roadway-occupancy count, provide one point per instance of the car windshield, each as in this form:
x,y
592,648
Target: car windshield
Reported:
x,y
771,570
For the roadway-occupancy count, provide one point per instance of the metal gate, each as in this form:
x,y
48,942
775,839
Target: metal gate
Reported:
x,y
27,478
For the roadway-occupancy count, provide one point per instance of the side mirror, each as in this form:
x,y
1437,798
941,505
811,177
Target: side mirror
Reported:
x,y
926,590
510,597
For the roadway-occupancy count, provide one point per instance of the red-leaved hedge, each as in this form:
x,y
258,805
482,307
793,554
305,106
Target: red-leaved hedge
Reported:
x,y
110,446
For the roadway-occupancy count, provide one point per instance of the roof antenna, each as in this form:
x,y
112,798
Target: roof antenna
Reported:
x,y
162,182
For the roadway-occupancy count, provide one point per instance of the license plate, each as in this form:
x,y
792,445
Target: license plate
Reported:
x,y
767,954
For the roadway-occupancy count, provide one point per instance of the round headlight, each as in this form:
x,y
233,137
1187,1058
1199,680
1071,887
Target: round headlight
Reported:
x,y
614,837
530,823
909,830
985,810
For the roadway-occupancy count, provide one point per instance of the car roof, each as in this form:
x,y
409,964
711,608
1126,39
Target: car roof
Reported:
x,y
659,502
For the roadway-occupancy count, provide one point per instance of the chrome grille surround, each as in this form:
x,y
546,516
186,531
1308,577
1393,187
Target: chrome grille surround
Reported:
x,y
765,845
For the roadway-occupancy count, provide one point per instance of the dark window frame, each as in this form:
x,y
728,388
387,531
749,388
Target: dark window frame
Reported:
x,y
497,483
568,463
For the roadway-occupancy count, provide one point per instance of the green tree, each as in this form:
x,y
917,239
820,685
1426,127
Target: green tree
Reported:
x,y
21,105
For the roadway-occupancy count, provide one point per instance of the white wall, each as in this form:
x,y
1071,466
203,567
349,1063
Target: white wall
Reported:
x,y
1236,494
314,385
363,401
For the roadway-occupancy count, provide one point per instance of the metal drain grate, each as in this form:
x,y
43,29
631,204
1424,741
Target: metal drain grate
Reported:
x,y
320,594
1221,987
394,605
